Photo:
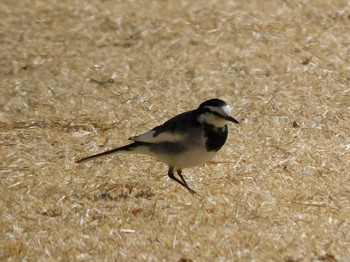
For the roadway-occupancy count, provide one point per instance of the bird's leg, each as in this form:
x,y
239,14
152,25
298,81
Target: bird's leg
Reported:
x,y
182,181
172,176
179,172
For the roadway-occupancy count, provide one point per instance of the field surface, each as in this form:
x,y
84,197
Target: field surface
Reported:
x,y
79,77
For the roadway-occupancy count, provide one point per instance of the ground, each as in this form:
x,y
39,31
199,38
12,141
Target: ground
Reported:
x,y
81,77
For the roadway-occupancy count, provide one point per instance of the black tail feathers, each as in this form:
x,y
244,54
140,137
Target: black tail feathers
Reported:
x,y
129,147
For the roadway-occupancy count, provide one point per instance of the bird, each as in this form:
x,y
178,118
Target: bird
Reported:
x,y
187,140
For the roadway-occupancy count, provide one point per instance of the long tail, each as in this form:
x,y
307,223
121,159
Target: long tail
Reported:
x,y
129,147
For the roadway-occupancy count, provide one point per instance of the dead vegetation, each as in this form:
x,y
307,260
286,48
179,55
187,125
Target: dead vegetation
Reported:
x,y
78,77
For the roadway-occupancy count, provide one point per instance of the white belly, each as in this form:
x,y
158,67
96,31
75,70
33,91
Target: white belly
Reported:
x,y
190,153
186,159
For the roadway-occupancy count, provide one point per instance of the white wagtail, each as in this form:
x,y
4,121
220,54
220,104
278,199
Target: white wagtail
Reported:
x,y
186,140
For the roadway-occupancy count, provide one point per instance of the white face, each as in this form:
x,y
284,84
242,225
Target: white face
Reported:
x,y
215,120
223,110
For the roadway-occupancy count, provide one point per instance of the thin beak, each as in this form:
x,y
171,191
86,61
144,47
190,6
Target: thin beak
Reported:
x,y
231,119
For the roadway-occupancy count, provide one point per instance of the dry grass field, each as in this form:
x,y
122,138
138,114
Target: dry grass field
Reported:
x,y
79,77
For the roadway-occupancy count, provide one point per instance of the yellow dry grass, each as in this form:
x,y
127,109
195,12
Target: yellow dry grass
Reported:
x,y
78,77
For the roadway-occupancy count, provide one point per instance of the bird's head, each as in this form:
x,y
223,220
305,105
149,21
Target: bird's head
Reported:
x,y
215,112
